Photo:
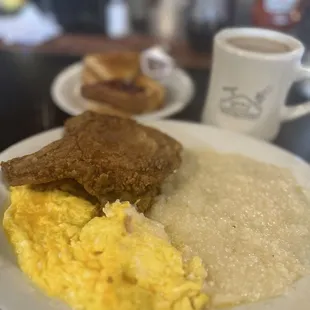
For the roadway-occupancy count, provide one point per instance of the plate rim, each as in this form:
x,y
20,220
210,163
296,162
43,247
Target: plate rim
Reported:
x,y
164,125
165,122
75,68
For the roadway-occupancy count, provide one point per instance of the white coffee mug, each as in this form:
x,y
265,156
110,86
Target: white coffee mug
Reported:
x,y
248,86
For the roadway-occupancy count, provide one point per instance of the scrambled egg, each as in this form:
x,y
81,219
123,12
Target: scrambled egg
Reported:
x,y
120,261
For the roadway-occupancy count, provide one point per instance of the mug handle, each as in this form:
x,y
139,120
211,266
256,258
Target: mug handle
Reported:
x,y
294,112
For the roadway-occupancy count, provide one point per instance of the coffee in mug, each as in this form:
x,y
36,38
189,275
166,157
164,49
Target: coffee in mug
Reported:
x,y
252,72
259,45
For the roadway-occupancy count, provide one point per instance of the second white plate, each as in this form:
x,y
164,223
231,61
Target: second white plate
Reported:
x,y
65,92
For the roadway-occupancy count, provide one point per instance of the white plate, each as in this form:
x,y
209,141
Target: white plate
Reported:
x,y
16,292
65,92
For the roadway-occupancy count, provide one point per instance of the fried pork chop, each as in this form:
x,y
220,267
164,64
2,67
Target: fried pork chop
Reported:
x,y
111,157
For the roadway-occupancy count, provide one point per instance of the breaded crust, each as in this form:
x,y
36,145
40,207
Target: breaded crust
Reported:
x,y
111,157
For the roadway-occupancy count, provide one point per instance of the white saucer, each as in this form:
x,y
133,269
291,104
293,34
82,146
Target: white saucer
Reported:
x,y
66,95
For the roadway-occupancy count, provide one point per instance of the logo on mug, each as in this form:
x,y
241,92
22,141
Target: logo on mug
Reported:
x,y
243,106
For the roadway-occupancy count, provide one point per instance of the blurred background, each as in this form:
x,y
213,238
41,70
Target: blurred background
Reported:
x,y
40,38
187,26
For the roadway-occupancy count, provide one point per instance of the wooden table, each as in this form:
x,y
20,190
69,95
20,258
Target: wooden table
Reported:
x,y
79,45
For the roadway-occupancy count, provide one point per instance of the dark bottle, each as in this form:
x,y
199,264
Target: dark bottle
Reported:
x,y
205,18
139,12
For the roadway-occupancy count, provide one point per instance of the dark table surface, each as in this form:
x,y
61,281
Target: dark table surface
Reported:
x,y
26,107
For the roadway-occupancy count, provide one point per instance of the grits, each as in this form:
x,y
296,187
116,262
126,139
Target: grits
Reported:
x,y
248,221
